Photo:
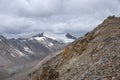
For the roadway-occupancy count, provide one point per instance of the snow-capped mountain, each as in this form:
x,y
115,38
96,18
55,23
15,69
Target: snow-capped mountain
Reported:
x,y
36,46
15,53
22,50
62,37
39,35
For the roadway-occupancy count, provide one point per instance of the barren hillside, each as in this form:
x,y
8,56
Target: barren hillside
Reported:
x,y
95,57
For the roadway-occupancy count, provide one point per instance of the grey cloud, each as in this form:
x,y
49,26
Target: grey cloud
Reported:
x,y
38,8
22,17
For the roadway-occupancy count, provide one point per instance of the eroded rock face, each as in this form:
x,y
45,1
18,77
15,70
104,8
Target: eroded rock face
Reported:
x,y
95,57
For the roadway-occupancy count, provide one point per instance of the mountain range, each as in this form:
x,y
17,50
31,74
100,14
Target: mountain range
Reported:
x,y
94,57
14,53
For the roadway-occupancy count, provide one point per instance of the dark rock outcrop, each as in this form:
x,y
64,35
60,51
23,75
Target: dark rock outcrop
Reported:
x,y
39,35
70,36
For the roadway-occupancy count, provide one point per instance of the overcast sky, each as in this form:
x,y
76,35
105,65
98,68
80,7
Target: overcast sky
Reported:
x,y
27,17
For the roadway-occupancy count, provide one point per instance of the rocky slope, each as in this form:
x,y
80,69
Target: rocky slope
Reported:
x,y
95,57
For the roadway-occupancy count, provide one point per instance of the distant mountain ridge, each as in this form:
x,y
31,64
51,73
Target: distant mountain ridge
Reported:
x,y
26,49
21,50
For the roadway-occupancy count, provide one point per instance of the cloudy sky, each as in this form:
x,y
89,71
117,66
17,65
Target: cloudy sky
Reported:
x,y
27,17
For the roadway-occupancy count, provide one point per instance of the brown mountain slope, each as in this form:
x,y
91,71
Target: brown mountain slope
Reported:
x,y
95,57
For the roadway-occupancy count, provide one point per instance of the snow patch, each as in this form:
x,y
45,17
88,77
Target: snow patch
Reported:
x,y
51,44
39,38
20,53
28,50
12,55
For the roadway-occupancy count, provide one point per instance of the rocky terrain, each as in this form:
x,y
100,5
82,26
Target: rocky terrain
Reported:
x,y
94,57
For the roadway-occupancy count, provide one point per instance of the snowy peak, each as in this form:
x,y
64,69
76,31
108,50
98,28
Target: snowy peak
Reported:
x,y
60,37
70,36
39,38
2,38
64,38
37,44
39,35
46,41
